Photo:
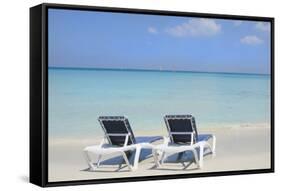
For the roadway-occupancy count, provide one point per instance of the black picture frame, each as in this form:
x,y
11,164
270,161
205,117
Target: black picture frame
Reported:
x,y
39,93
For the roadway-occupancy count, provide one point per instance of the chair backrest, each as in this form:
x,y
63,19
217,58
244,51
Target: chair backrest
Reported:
x,y
180,128
116,128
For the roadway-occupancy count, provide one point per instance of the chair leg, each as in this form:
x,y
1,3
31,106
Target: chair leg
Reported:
x,y
155,157
89,162
211,148
196,158
98,161
127,161
137,157
162,158
201,155
214,146
119,167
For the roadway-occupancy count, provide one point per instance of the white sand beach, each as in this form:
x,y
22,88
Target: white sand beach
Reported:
x,y
239,147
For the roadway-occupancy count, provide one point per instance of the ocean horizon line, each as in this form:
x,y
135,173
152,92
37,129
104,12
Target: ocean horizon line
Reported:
x,y
152,70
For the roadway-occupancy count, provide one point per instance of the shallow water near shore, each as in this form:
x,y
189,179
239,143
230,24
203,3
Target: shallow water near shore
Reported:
x,y
78,96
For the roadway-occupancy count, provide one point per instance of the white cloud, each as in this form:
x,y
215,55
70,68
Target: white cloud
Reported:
x,y
195,27
263,26
251,40
152,30
237,23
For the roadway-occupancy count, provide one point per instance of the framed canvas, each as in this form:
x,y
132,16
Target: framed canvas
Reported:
x,y
122,95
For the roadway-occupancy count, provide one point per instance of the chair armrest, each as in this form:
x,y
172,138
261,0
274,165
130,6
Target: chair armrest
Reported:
x,y
166,140
103,141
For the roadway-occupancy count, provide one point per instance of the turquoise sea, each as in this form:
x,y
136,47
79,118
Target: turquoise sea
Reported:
x,y
78,96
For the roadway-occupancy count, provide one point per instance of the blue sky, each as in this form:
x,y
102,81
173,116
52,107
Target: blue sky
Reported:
x,y
89,39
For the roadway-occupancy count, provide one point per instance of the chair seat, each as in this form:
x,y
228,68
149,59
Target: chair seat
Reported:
x,y
148,139
204,137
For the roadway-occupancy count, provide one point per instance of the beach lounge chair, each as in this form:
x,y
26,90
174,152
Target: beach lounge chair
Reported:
x,y
119,139
184,138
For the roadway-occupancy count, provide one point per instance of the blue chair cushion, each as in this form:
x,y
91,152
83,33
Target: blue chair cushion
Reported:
x,y
149,139
204,137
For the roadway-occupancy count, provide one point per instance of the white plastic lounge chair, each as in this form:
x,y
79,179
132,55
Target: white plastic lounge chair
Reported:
x,y
183,138
119,139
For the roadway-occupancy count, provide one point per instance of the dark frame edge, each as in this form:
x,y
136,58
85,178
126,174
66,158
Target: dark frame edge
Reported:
x,y
158,178
36,129
156,12
272,72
